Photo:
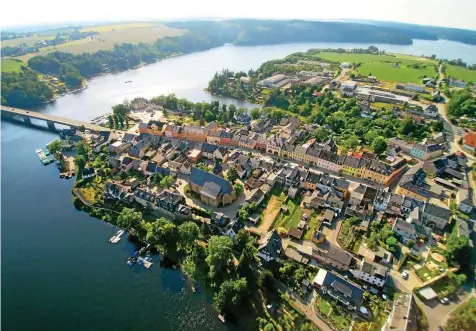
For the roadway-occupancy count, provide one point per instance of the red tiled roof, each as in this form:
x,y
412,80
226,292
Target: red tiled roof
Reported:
x,y
470,139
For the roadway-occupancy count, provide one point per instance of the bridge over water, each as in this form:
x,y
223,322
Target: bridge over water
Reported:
x,y
51,120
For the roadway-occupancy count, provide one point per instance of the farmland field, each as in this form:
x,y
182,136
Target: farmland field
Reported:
x,y
384,66
116,27
461,73
30,41
106,40
11,65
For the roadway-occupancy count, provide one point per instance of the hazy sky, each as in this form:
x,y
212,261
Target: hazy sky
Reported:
x,y
451,13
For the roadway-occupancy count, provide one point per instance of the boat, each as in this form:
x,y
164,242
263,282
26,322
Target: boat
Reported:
x,y
221,318
130,262
117,237
194,289
128,81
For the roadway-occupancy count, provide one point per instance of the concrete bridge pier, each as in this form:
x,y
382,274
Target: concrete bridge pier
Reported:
x,y
27,120
51,125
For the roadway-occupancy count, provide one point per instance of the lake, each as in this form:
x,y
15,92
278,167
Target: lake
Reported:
x,y
58,270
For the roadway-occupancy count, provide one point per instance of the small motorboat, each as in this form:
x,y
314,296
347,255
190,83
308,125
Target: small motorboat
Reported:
x,y
128,81
130,263
194,289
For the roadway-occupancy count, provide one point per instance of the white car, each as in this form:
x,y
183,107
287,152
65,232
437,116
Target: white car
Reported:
x,y
445,301
405,274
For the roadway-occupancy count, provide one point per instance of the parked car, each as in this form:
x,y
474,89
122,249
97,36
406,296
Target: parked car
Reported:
x,y
405,274
445,301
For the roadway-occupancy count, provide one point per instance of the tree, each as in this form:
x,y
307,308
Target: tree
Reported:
x,y
392,243
321,134
463,318
220,258
166,181
163,233
189,233
269,327
82,148
254,113
56,146
232,175
129,219
238,189
379,145
230,295
457,248
243,213
410,243
111,121
80,161
242,239
266,280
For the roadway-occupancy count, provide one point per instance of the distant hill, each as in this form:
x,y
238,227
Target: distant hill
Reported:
x,y
262,32
427,32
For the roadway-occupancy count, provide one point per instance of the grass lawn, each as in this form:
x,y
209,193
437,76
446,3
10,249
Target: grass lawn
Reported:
x,y
292,217
324,306
313,225
425,271
461,73
383,67
11,65
89,193
445,286
403,74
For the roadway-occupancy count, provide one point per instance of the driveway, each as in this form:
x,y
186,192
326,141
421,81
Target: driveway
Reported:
x,y
438,313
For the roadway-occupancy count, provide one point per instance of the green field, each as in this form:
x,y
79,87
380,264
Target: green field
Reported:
x,y
384,66
11,65
29,41
461,73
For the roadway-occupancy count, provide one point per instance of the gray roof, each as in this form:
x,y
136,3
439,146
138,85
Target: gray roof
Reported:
x,y
351,161
339,255
200,177
437,211
374,269
272,242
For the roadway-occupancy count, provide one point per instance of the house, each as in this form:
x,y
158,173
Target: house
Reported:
x,y
213,190
139,149
118,191
464,202
312,179
257,197
457,83
426,151
145,197
431,111
435,216
271,247
414,87
234,227
118,147
404,314
470,141
348,88
275,81
405,146
379,256
194,155
88,173
295,233
372,273
413,185
208,150
221,153
336,286
405,230
220,219
328,217
174,203
338,258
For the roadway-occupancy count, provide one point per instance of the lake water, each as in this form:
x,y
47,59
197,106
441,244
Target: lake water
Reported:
x,y
58,270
